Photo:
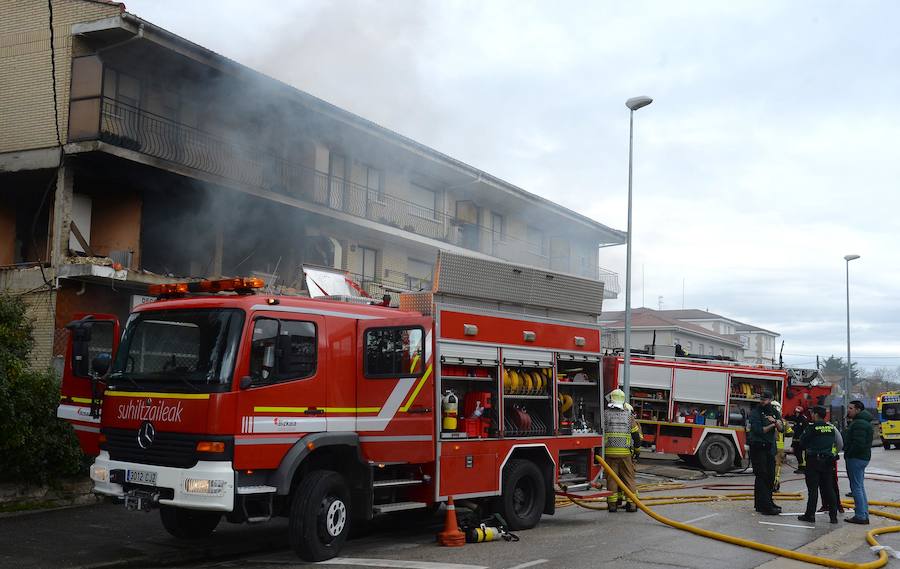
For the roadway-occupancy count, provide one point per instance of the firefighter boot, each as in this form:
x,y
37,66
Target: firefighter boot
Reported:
x,y
630,506
612,503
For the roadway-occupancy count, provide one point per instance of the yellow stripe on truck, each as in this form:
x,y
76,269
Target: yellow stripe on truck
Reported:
x,y
155,395
415,392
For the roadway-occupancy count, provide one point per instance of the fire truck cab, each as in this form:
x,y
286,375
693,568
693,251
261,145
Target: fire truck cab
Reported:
x,y
248,406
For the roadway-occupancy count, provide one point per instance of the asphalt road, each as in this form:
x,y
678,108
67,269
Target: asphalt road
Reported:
x,y
107,536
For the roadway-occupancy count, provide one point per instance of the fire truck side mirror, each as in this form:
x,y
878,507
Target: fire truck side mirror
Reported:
x,y
81,339
100,364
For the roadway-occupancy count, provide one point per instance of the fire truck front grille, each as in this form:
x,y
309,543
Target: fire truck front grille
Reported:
x,y
168,449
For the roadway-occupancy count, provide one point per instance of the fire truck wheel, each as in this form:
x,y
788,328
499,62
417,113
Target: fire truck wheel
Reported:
x,y
522,501
188,524
320,516
716,453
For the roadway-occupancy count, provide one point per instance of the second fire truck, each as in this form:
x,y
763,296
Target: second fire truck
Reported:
x,y
698,408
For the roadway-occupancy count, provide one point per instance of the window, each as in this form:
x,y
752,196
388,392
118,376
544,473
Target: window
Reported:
x,y
179,347
122,87
700,349
424,200
337,173
393,352
690,346
100,342
419,274
365,266
375,185
535,238
497,230
282,350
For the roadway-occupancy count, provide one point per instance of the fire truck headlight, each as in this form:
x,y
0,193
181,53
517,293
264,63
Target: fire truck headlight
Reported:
x,y
99,473
203,486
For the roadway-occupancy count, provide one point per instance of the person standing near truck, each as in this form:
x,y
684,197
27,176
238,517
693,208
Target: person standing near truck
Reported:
x,y
800,423
819,443
857,453
621,435
763,425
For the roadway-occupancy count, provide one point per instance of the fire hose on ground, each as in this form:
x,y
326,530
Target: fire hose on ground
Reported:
x,y
765,548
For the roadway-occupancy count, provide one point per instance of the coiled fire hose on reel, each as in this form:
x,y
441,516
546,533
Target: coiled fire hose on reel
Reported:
x,y
765,548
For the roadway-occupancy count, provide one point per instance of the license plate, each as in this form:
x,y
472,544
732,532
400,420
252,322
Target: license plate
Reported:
x,y
141,477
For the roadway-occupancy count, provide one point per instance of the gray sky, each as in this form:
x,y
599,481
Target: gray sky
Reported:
x,y
769,153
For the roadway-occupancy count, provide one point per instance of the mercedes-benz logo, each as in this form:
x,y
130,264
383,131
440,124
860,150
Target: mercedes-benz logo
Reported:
x,y
146,434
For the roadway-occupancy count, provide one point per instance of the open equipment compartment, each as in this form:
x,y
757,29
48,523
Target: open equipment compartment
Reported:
x,y
579,399
745,392
470,374
527,393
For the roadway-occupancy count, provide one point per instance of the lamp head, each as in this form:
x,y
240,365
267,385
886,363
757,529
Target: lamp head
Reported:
x,y
636,103
849,258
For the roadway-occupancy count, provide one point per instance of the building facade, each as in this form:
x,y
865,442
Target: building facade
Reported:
x,y
701,332
652,328
130,156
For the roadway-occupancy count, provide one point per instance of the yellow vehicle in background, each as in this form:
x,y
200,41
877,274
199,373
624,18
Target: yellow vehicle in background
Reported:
x,y
889,413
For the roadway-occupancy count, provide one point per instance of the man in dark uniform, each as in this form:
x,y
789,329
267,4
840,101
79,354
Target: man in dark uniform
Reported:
x,y
800,423
818,441
764,421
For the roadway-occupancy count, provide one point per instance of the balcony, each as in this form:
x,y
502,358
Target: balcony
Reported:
x,y
135,129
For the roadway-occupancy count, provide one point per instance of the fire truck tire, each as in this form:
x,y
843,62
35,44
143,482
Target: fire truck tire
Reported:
x,y
188,524
716,453
521,502
320,516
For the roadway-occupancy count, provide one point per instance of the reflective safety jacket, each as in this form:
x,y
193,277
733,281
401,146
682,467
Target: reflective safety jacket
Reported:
x,y
621,432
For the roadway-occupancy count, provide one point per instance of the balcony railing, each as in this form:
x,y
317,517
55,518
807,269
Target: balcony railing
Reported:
x,y
136,129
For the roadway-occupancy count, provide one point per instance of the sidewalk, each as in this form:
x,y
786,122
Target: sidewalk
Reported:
x,y
108,536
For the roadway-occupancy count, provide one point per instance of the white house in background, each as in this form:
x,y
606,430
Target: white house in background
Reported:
x,y
757,345
653,327
760,345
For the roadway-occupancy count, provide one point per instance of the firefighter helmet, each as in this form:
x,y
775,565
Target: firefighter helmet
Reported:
x,y
617,399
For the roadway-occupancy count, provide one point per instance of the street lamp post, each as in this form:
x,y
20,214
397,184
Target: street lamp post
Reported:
x,y
633,104
848,258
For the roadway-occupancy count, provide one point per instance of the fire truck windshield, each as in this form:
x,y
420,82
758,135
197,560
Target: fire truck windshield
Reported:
x,y
196,347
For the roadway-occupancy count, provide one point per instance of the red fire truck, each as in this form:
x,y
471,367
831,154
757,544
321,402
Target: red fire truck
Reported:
x,y
698,408
237,404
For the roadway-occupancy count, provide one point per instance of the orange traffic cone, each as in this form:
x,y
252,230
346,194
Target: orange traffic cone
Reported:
x,y
451,536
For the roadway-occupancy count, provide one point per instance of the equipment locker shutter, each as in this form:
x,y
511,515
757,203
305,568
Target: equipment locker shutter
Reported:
x,y
567,357
655,377
517,357
698,386
468,354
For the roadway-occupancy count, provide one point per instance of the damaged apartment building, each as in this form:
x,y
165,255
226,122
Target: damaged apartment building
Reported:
x,y
130,156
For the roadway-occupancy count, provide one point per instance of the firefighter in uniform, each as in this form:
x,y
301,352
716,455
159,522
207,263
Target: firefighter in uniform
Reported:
x,y
779,446
800,423
621,435
819,443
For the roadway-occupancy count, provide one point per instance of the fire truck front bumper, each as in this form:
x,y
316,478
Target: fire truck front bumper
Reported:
x,y
209,485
